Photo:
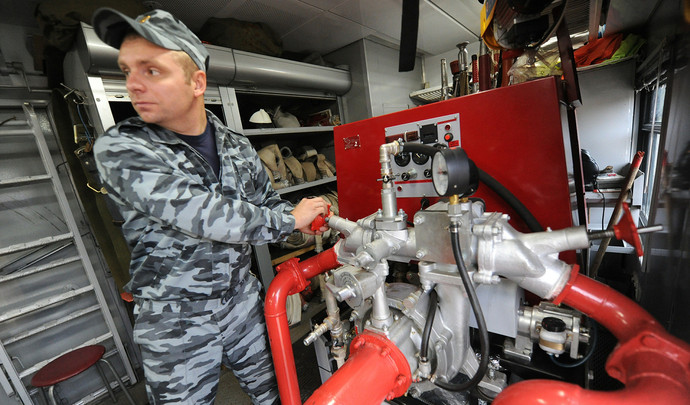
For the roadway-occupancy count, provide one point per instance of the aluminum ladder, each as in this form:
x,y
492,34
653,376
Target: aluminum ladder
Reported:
x,y
77,313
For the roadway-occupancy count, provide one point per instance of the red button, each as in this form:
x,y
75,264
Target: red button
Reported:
x,y
448,137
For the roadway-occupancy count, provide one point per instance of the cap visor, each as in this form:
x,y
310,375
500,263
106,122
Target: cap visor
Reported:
x,y
111,26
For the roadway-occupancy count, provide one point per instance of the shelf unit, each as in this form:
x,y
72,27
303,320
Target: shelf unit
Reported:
x,y
301,105
286,131
304,186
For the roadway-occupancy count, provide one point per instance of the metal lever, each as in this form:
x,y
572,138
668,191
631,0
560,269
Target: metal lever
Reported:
x,y
625,230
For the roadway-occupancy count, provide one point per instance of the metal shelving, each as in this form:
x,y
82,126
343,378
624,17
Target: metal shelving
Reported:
x,y
286,131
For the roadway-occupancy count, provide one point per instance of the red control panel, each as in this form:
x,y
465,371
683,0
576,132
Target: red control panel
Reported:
x,y
514,133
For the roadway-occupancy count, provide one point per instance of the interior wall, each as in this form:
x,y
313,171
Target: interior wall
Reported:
x,y
389,89
432,64
16,46
605,119
354,102
377,86
665,20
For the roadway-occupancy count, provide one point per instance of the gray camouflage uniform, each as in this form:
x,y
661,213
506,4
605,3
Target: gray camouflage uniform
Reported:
x,y
190,233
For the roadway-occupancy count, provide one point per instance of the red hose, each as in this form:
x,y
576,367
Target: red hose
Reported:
x,y
654,366
375,371
292,278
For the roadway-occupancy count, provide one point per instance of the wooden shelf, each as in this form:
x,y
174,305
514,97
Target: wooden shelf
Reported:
x,y
292,254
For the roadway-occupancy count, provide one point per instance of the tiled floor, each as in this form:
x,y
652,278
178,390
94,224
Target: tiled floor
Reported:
x,y
229,391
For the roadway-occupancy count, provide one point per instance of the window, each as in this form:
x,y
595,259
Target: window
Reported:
x,y
650,135
652,74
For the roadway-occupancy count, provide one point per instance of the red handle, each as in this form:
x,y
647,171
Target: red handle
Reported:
x,y
319,221
627,231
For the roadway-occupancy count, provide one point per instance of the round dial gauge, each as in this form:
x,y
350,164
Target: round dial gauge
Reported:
x,y
439,173
420,158
453,173
402,159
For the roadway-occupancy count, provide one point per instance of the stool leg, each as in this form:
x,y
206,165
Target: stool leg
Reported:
x,y
119,381
51,395
106,382
46,400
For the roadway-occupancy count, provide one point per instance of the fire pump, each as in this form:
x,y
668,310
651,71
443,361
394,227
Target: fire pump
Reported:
x,y
472,270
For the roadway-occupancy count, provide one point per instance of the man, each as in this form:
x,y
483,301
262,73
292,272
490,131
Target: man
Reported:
x,y
194,196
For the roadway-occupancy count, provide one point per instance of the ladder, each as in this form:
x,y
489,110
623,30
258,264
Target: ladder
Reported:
x,y
40,317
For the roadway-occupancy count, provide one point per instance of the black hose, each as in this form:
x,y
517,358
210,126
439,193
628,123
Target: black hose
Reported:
x,y
415,147
426,334
478,314
512,201
493,184
481,394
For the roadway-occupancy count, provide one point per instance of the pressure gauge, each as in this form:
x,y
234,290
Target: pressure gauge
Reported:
x,y
402,159
453,173
420,158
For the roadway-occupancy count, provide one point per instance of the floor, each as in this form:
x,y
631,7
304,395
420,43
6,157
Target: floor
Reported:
x,y
229,391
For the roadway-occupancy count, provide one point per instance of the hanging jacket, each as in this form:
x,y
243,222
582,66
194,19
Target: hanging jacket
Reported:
x,y
189,231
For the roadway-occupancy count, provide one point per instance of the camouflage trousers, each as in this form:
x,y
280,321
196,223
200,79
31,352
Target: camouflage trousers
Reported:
x,y
183,344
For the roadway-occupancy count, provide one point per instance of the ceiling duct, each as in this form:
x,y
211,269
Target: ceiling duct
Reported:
x,y
229,67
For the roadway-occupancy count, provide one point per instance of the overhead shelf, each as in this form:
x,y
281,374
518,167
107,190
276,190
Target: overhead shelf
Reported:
x,y
430,95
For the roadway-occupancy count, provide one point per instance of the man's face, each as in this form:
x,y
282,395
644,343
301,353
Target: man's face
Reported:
x,y
156,83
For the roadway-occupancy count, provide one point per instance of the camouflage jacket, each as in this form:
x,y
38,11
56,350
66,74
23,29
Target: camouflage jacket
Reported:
x,y
188,230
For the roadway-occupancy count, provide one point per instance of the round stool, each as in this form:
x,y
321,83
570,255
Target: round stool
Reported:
x,y
73,363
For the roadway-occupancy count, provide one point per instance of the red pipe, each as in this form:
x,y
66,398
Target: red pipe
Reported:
x,y
617,313
375,371
654,365
556,392
292,278
484,72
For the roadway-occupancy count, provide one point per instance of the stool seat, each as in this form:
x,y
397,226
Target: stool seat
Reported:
x,y
72,363
68,365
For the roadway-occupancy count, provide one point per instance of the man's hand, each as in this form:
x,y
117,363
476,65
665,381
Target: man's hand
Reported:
x,y
306,211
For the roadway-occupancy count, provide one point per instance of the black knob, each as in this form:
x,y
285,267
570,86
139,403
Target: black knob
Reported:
x,y
553,324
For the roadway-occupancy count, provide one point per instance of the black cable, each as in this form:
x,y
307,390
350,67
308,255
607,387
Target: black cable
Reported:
x,y
478,314
512,201
426,334
7,120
